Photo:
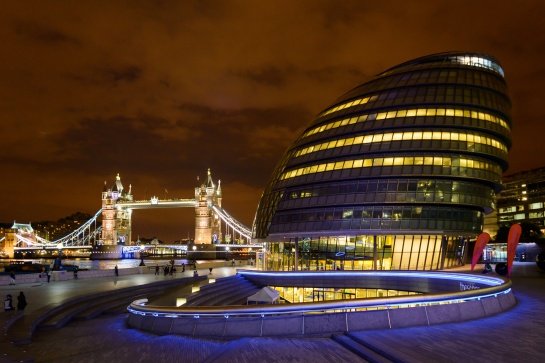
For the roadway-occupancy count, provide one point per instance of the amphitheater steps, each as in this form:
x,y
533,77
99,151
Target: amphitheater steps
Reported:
x,y
223,289
54,316
234,296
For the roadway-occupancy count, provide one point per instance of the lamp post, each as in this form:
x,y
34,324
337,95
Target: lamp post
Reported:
x,y
59,247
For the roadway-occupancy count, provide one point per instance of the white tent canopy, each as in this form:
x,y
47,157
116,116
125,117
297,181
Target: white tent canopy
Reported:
x,y
265,295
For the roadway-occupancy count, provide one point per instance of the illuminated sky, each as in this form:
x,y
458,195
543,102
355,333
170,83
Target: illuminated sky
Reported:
x,y
160,91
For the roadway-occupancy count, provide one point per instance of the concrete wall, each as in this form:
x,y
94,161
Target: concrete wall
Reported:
x,y
299,325
33,278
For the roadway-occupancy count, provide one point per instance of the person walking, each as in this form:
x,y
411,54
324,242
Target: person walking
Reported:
x,y
12,278
156,268
21,302
116,270
75,273
8,303
48,273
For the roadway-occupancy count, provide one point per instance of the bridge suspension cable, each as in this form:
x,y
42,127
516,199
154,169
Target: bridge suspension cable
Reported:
x,y
233,223
82,236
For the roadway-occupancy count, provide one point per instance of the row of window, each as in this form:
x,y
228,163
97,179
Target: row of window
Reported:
x,y
431,94
511,209
390,197
427,112
513,217
380,213
434,73
420,123
309,294
466,60
423,146
378,224
442,161
390,185
469,138
477,62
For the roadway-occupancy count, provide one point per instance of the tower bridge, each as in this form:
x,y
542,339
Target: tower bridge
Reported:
x,y
113,235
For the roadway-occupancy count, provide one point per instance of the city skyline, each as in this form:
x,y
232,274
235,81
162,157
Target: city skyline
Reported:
x,y
159,92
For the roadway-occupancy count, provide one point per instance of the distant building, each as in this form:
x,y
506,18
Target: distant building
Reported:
x,y
523,198
54,230
397,173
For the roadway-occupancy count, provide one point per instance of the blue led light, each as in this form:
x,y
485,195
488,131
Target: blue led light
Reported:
x,y
490,290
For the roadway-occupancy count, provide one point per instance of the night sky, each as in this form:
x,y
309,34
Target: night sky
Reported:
x,y
160,91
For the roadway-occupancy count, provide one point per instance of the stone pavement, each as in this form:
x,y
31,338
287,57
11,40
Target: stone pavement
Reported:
x,y
513,336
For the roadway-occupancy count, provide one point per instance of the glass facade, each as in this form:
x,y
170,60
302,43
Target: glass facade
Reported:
x,y
313,294
398,173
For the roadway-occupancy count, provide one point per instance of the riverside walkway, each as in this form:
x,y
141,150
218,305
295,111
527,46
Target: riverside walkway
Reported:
x,y
513,336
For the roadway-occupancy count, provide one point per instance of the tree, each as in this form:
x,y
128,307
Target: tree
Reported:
x,y
529,231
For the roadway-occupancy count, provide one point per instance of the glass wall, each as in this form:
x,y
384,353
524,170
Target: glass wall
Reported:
x,y
312,294
388,252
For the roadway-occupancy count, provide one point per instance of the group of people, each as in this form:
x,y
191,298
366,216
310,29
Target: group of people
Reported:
x,y
168,269
21,302
43,275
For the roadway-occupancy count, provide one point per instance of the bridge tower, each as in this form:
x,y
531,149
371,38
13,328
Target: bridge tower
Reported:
x,y
8,243
7,246
207,222
116,222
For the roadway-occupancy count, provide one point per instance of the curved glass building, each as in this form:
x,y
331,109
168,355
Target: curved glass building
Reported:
x,y
398,173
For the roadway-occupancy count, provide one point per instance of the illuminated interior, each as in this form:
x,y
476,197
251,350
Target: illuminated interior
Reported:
x,y
470,140
420,112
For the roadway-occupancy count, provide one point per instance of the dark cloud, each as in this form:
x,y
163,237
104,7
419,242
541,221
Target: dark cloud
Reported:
x,y
126,74
270,76
43,34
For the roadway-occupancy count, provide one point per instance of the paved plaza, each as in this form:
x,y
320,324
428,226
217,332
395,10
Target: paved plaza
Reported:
x,y
517,335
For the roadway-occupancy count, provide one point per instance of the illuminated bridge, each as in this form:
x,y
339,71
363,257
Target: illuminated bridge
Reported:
x,y
213,224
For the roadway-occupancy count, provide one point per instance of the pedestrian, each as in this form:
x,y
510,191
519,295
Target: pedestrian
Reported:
x,y
12,278
156,269
116,270
76,273
42,276
8,303
195,273
183,267
48,273
165,270
21,302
